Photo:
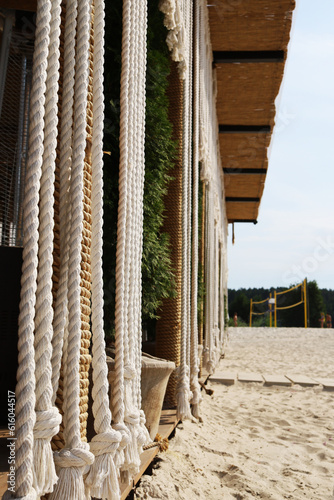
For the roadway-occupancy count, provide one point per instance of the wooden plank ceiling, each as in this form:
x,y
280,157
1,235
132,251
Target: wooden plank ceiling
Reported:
x,y
249,42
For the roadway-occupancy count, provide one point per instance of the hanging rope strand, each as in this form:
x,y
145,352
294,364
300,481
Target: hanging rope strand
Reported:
x,y
144,435
120,312
183,389
25,389
47,416
74,461
194,368
64,202
102,479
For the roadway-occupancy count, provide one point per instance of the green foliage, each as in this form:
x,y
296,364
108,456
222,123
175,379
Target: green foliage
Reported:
x,y
200,281
315,303
240,305
158,280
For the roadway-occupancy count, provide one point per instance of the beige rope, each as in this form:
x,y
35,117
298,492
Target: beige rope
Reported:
x,y
102,479
73,460
25,389
194,368
47,415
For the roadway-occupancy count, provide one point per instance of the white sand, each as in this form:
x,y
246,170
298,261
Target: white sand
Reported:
x,y
256,441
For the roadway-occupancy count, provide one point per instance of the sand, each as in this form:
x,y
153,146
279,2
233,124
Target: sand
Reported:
x,y
257,441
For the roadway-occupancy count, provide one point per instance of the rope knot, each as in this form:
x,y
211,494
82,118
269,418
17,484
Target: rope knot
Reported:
x,y
74,457
132,418
47,423
125,435
129,372
105,442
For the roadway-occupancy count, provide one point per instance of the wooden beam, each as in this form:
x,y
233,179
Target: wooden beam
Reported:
x,y
248,56
241,199
29,5
253,221
253,171
244,129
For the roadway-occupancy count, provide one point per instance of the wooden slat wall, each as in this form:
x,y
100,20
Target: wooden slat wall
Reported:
x,y
246,92
243,185
244,150
250,24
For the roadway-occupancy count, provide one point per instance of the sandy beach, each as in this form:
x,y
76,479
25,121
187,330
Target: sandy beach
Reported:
x,y
256,441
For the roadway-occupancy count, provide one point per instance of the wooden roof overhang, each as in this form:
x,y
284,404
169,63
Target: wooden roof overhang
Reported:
x,y
27,5
249,42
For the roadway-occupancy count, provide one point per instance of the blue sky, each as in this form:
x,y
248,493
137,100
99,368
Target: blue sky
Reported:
x,y
294,237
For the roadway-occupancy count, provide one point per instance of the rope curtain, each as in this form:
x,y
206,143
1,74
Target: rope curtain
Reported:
x,y
50,338
47,339
128,418
196,69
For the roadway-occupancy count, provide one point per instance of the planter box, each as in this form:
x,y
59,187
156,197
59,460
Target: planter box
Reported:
x,y
154,378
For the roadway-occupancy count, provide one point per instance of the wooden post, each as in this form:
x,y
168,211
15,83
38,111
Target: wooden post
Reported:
x,y
250,314
275,309
305,302
270,312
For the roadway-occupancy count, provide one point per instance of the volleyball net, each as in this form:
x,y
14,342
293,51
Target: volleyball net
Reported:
x,y
270,304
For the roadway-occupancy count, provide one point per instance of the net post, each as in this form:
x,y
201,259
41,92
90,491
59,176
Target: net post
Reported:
x,y
305,302
250,314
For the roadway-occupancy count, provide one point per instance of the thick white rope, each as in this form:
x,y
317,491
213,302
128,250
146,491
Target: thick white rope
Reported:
x,y
73,461
189,164
140,110
48,417
194,368
183,392
120,313
143,435
174,21
25,389
102,479
132,354
128,260
131,419
65,163
211,174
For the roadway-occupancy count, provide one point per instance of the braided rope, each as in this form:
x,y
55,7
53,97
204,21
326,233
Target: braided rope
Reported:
x,y
73,461
131,419
168,334
120,319
65,162
125,399
25,389
183,387
102,478
189,164
194,368
47,416
144,434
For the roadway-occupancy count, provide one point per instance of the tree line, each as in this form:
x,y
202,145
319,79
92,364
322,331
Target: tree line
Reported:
x,y
318,300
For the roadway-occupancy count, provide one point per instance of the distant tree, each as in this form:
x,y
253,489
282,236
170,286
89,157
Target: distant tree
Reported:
x,y
240,305
315,303
328,296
